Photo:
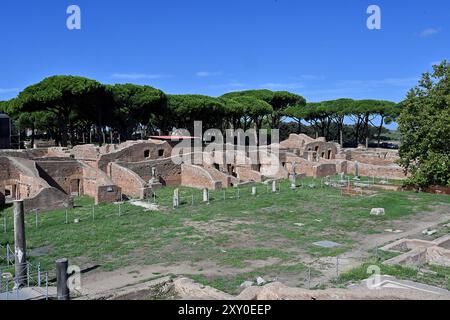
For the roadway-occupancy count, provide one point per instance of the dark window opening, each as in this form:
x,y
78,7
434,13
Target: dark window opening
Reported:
x,y
216,166
329,154
160,152
147,154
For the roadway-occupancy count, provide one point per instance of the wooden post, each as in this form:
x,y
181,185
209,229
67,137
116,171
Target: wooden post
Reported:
x,y
20,244
62,289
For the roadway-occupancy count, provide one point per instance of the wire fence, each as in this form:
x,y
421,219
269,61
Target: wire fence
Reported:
x,y
161,199
165,199
31,275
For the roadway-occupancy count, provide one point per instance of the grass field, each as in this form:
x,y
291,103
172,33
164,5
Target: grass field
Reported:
x,y
240,235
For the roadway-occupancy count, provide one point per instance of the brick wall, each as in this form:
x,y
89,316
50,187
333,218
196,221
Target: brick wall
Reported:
x,y
107,194
131,184
167,170
61,173
324,169
136,152
198,177
98,185
47,199
247,174
369,170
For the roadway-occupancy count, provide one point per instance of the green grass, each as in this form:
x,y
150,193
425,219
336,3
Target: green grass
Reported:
x,y
432,275
232,233
231,283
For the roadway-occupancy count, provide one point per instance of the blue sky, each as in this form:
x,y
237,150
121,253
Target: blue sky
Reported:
x,y
320,49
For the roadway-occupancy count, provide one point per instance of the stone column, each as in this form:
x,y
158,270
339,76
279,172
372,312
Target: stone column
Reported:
x,y
274,186
62,288
20,244
205,195
176,198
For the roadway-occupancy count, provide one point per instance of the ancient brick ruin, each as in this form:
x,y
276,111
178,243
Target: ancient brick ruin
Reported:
x,y
48,178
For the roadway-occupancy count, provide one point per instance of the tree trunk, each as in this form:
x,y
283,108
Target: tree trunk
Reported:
x,y
379,131
32,136
367,130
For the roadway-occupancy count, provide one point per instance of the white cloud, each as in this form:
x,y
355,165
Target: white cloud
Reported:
x,y
396,82
285,86
8,90
308,77
208,74
138,76
429,32
231,84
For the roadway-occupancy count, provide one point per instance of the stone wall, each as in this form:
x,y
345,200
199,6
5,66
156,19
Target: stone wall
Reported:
x,y
136,152
326,150
23,177
247,174
48,199
131,184
24,154
66,175
2,197
107,194
303,166
324,170
369,170
217,175
198,177
98,185
296,142
167,170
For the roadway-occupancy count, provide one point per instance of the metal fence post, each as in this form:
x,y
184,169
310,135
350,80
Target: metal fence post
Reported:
x,y
28,274
46,286
7,254
4,222
67,216
93,212
36,218
337,266
39,274
309,277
